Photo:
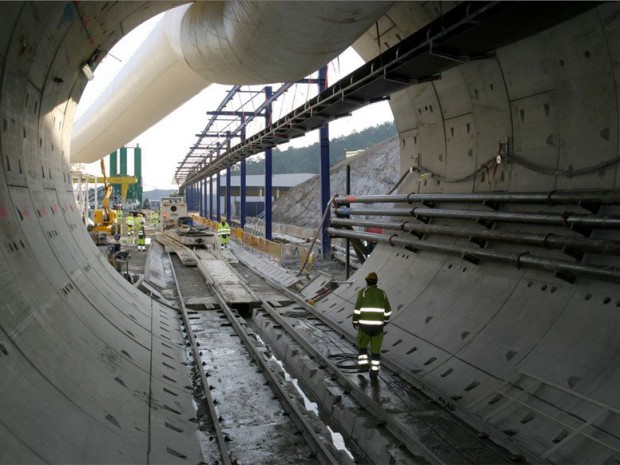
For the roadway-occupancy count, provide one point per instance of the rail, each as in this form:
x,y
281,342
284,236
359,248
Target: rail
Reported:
x,y
314,441
221,441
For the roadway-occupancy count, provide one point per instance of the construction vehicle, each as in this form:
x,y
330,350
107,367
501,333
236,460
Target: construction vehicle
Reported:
x,y
105,218
171,209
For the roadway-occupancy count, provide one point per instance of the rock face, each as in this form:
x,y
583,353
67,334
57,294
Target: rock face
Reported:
x,y
374,171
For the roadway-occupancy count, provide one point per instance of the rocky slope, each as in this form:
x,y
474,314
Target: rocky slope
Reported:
x,y
374,171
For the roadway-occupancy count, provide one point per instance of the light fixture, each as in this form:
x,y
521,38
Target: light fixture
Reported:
x,y
88,72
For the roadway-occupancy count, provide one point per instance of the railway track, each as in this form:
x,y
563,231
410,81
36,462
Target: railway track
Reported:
x,y
246,364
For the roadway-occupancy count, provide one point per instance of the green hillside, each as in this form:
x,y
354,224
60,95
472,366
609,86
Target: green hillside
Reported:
x,y
306,159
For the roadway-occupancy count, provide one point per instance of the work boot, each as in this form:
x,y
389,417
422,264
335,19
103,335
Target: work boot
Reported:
x,y
374,374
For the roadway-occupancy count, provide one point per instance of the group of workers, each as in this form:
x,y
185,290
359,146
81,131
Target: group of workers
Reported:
x,y
135,227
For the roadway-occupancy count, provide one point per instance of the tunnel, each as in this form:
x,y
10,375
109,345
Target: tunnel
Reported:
x,y
93,371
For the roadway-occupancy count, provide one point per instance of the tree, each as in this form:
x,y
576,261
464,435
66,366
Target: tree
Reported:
x,y
306,159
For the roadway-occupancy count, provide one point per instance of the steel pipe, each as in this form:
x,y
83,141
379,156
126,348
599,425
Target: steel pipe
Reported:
x,y
564,219
551,241
550,198
523,259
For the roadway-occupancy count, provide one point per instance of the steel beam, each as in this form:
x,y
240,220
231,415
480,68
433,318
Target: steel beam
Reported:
x,y
268,168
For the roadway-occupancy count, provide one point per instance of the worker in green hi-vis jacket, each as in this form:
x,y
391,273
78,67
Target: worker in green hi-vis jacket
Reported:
x,y
372,312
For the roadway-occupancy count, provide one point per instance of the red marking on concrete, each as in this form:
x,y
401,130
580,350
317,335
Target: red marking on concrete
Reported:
x,y
3,212
25,213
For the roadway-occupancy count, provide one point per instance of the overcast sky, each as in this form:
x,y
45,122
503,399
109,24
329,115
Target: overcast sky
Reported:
x,y
167,143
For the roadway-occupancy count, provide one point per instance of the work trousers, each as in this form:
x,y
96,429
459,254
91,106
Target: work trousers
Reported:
x,y
374,337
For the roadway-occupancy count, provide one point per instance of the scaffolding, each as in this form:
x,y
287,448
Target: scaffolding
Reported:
x,y
215,140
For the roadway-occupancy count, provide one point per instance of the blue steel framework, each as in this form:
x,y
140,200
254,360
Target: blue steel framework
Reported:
x,y
211,197
228,187
324,172
242,183
196,161
268,168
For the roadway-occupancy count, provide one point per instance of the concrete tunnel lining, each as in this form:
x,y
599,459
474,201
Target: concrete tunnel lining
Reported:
x,y
470,332
93,370
77,345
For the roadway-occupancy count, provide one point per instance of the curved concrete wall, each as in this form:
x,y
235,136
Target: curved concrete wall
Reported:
x,y
531,356
92,370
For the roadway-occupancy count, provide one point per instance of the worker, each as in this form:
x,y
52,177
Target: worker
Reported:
x,y
154,218
371,314
141,235
223,231
129,223
119,214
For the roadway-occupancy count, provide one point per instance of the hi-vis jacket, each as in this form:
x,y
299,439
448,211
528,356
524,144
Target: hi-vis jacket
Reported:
x,y
372,307
223,229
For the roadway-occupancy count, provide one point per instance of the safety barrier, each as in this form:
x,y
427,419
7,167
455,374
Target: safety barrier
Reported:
x,y
286,255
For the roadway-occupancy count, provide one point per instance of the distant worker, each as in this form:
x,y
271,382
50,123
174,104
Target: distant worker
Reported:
x,y
372,312
129,223
119,214
154,218
223,231
141,235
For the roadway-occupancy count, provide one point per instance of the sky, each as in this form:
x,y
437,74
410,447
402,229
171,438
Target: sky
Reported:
x,y
168,142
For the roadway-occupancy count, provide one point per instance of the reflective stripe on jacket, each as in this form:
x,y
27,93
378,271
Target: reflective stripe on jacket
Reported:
x,y
372,307
223,229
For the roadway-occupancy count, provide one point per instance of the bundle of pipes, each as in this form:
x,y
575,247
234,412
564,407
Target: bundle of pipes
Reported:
x,y
572,245
550,198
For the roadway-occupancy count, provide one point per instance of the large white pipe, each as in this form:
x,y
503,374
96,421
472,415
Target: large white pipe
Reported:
x,y
216,42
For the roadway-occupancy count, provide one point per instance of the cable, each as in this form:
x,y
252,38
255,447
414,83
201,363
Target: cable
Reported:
x,y
523,162
343,362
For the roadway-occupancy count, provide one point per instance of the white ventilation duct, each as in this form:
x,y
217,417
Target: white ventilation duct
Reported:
x,y
217,42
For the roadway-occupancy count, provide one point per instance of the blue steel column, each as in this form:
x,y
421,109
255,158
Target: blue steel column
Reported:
x,y
202,197
324,171
228,186
242,174
218,186
211,197
268,169
205,194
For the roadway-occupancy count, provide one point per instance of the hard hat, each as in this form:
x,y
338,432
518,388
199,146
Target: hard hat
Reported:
x,y
141,220
372,276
